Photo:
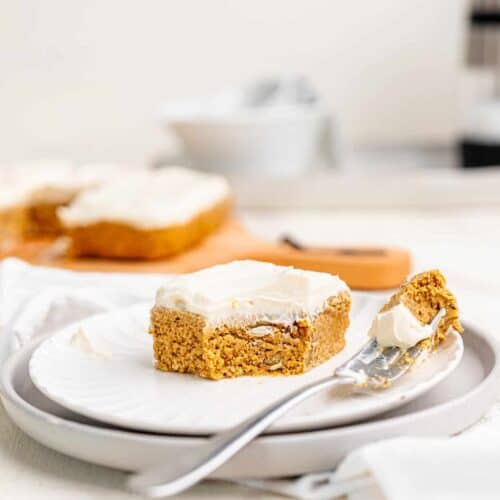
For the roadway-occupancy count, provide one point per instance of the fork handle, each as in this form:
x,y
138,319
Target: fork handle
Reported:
x,y
173,477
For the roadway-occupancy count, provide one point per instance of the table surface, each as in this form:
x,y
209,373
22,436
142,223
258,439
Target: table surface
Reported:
x,y
463,243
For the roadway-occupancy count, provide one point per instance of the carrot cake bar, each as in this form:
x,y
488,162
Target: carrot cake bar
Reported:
x,y
249,318
13,220
404,320
50,189
146,215
42,188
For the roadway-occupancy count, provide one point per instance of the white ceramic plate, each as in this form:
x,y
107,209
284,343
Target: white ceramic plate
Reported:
x,y
453,405
122,388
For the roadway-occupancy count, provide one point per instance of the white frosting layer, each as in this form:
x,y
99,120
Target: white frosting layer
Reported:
x,y
12,195
250,291
398,327
53,182
152,199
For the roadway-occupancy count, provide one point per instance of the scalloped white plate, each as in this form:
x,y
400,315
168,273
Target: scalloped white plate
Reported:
x,y
124,389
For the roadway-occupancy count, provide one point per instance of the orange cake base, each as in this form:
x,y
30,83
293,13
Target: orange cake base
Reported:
x,y
24,221
42,219
424,295
184,343
118,240
13,222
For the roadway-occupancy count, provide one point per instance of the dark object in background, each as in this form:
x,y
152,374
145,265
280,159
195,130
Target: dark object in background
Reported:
x,y
474,154
484,34
483,52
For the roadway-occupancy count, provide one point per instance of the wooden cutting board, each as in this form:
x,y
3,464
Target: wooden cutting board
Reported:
x,y
367,268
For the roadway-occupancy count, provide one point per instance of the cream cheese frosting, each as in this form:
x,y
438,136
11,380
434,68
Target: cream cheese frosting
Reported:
x,y
398,327
250,291
53,183
61,184
42,182
149,199
12,195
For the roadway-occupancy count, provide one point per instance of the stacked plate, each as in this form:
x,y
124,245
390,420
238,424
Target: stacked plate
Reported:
x,y
90,391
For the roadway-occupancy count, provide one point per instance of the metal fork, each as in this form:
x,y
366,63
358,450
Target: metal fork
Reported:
x,y
373,367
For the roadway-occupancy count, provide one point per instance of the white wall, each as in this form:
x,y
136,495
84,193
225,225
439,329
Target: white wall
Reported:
x,y
84,79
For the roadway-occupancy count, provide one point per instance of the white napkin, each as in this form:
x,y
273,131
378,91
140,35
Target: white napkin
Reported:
x,y
37,300
459,468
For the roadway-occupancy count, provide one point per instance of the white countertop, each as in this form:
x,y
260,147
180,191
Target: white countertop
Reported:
x,y
374,187
463,243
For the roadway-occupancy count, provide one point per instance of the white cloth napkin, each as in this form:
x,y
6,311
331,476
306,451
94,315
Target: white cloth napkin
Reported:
x,y
459,468
36,300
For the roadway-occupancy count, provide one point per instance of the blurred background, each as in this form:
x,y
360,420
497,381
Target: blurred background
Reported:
x,y
88,80
376,105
